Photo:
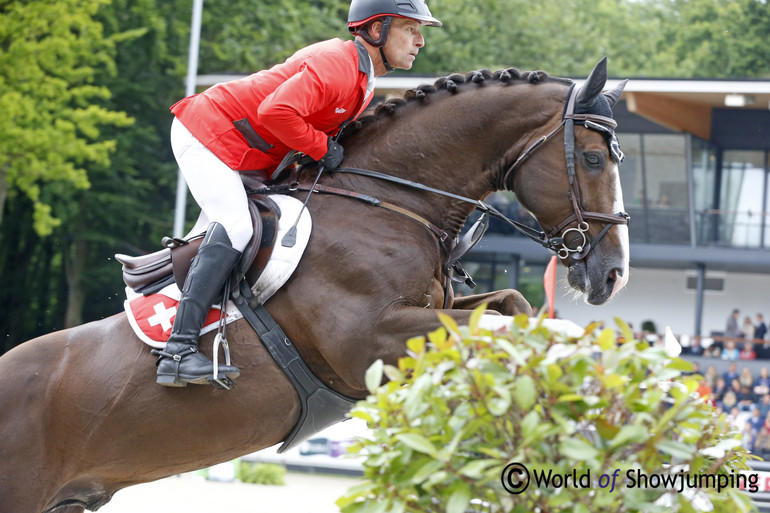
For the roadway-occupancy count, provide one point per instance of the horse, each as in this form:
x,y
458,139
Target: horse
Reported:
x,y
82,416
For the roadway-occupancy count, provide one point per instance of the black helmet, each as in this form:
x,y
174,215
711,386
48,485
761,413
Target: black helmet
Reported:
x,y
363,11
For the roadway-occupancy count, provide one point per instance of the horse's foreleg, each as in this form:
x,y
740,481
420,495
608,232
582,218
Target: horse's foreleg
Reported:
x,y
506,302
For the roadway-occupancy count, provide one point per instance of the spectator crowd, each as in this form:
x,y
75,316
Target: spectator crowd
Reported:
x,y
740,392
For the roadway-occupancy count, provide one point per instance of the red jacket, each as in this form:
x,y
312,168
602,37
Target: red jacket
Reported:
x,y
251,123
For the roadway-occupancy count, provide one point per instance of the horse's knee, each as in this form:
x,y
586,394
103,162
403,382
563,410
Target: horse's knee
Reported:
x,y
512,302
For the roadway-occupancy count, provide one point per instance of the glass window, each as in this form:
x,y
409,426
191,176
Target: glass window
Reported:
x,y
665,169
741,212
654,181
632,182
704,176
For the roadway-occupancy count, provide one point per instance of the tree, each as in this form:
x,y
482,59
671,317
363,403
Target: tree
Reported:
x,y
50,53
717,38
127,202
239,36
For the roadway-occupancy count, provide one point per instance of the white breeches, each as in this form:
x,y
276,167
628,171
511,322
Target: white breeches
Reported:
x,y
217,189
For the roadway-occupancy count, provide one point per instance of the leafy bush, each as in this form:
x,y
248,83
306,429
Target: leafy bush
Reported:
x,y
262,473
466,403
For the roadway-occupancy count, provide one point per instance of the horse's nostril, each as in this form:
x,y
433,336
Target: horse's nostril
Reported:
x,y
612,277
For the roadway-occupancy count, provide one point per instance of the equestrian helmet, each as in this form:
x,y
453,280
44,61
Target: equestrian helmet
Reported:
x,y
363,11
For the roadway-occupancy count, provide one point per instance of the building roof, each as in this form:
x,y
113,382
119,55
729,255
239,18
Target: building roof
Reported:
x,y
678,104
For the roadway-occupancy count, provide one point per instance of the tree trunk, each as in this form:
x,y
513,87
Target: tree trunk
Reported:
x,y
75,263
3,189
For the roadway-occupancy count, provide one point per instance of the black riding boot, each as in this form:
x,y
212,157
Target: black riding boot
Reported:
x,y
181,363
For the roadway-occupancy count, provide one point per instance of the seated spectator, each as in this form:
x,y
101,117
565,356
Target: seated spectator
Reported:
x,y
711,376
720,389
745,378
756,421
762,383
764,405
729,400
704,390
745,398
730,352
763,350
747,437
731,374
762,441
695,348
736,418
747,353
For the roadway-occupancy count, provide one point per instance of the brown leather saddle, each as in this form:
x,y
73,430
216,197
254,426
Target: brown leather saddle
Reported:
x,y
147,274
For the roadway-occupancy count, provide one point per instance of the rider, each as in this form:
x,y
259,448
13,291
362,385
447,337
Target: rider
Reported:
x,y
250,124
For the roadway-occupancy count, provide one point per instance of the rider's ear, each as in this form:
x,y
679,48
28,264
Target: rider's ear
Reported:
x,y
375,29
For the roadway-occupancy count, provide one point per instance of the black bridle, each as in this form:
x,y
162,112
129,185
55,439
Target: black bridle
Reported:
x,y
552,240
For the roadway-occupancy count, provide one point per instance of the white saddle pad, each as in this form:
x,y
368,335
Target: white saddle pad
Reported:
x,y
152,317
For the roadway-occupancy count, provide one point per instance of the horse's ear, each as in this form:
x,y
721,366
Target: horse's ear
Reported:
x,y
592,87
614,95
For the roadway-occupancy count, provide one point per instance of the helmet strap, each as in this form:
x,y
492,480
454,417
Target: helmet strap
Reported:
x,y
385,59
380,42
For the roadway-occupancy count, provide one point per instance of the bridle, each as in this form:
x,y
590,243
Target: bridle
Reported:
x,y
552,240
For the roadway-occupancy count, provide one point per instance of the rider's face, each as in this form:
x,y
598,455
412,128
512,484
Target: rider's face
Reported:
x,y
404,42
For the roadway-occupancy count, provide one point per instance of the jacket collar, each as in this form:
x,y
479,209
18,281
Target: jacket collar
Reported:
x,y
365,65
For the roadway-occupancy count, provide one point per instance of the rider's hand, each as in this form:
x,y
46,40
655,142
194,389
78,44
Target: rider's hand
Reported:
x,y
333,157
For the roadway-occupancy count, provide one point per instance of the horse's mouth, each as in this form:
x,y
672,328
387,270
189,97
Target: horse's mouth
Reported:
x,y
598,283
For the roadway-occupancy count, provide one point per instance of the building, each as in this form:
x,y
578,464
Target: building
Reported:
x,y
696,183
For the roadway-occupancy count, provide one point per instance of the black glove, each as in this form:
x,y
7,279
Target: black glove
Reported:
x,y
333,157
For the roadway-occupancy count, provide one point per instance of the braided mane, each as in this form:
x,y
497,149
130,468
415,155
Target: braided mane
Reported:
x,y
451,83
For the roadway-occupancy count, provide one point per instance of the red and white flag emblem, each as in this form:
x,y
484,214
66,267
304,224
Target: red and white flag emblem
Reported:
x,y
152,317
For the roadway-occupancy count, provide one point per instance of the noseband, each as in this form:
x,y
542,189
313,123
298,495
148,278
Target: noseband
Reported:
x,y
552,240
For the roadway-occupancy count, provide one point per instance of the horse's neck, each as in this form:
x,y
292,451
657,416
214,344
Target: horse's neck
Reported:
x,y
457,143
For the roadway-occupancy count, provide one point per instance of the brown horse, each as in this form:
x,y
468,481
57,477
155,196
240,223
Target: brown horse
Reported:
x,y
81,415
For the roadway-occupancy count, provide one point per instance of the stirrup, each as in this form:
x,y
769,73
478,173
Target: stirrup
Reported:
x,y
216,381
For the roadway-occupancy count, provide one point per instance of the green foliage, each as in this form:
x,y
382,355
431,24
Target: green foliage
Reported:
x,y
715,38
50,52
69,275
261,473
656,38
467,402
244,36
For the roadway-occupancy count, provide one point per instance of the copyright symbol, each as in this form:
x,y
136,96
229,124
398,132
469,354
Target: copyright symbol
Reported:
x,y
515,478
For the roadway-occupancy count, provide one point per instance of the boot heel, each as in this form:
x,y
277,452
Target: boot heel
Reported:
x,y
170,381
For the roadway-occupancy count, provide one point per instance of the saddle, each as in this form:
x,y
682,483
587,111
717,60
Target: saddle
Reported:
x,y
147,274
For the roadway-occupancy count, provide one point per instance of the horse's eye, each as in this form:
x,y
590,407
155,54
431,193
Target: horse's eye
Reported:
x,y
593,159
